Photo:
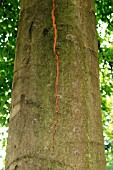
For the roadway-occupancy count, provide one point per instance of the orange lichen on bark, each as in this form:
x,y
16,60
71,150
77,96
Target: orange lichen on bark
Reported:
x,y
57,70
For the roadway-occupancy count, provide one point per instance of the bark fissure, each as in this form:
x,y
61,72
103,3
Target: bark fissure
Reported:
x,y
57,70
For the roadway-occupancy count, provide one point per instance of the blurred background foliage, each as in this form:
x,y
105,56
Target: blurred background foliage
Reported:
x,y
104,20
9,14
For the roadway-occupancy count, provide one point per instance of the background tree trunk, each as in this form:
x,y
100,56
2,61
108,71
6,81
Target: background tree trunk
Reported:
x,y
37,140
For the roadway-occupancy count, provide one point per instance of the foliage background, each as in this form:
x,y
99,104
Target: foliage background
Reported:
x,y
9,14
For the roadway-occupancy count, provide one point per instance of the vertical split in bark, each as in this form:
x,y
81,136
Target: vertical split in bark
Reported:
x,y
57,71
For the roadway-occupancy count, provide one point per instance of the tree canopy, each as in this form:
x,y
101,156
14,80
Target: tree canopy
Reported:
x,y
9,14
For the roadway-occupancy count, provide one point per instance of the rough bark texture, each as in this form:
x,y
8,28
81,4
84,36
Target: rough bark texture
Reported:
x,y
78,140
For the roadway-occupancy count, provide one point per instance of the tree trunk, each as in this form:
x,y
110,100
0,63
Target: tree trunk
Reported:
x,y
55,121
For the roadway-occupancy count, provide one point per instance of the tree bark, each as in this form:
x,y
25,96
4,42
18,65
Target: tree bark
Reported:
x,y
55,121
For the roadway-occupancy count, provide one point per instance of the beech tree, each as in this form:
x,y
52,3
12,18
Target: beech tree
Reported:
x,y
55,120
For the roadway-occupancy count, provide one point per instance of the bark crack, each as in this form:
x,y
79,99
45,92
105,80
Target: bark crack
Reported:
x,y
57,70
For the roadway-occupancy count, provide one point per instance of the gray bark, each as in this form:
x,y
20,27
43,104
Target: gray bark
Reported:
x,y
78,140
